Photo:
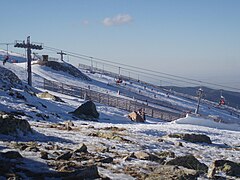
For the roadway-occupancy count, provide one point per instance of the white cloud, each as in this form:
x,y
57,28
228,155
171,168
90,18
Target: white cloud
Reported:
x,y
85,22
117,20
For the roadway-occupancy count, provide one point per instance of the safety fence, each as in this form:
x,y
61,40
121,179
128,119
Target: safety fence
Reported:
x,y
107,99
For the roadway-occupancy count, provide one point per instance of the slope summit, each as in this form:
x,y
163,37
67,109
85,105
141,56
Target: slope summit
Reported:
x,y
65,67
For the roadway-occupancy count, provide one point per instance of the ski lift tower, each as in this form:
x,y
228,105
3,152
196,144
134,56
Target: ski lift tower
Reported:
x,y
199,94
29,47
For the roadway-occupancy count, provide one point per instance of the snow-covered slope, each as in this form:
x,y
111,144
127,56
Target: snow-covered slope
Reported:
x,y
13,57
47,119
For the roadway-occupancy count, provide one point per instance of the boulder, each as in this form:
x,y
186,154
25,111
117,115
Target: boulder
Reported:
x,y
11,125
11,155
148,156
87,110
47,95
65,156
87,172
197,138
172,172
106,160
194,138
81,148
228,167
165,154
190,162
134,116
43,155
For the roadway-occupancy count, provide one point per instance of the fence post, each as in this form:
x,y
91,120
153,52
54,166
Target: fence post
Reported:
x,y
152,113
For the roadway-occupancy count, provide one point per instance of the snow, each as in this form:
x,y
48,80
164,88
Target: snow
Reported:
x,y
144,135
207,123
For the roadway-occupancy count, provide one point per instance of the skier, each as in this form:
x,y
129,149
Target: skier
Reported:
x,y
222,101
5,59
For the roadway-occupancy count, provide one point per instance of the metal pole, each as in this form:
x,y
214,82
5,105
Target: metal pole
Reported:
x,y
200,92
7,48
29,69
119,72
91,64
61,56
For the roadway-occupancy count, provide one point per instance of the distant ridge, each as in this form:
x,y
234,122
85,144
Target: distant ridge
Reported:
x,y
232,98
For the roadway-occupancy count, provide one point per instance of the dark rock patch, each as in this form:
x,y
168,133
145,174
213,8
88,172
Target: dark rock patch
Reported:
x,y
194,138
172,172
86,111
10,125
189,162
228,167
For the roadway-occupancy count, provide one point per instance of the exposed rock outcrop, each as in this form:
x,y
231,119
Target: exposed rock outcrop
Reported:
x,y
134,116
8,79
86,111
47,95
228,167
172,172
194,138
189,162
10,125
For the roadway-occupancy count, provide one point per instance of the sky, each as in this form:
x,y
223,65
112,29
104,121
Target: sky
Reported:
x,y
192,38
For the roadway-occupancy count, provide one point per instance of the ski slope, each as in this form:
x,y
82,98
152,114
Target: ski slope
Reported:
x,y
225,136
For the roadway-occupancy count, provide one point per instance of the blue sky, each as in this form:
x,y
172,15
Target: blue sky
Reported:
x,y
194,38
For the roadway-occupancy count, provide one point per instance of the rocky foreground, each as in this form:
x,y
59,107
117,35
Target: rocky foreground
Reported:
x,y
105,153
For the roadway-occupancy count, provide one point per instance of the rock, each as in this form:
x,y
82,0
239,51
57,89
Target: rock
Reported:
x,y
88,172
43,116
113,128
179,144
141,155
88,110
134,116
129,157
44,155
228,167
68,125
9,79
164,172
165,154
65,156
147,156
81,148
197,138
47,95
106,160
190,162
33,149
194,138
11,155
110,136
11,125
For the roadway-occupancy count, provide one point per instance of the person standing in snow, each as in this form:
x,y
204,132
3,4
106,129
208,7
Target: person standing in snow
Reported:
x,y
5,59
